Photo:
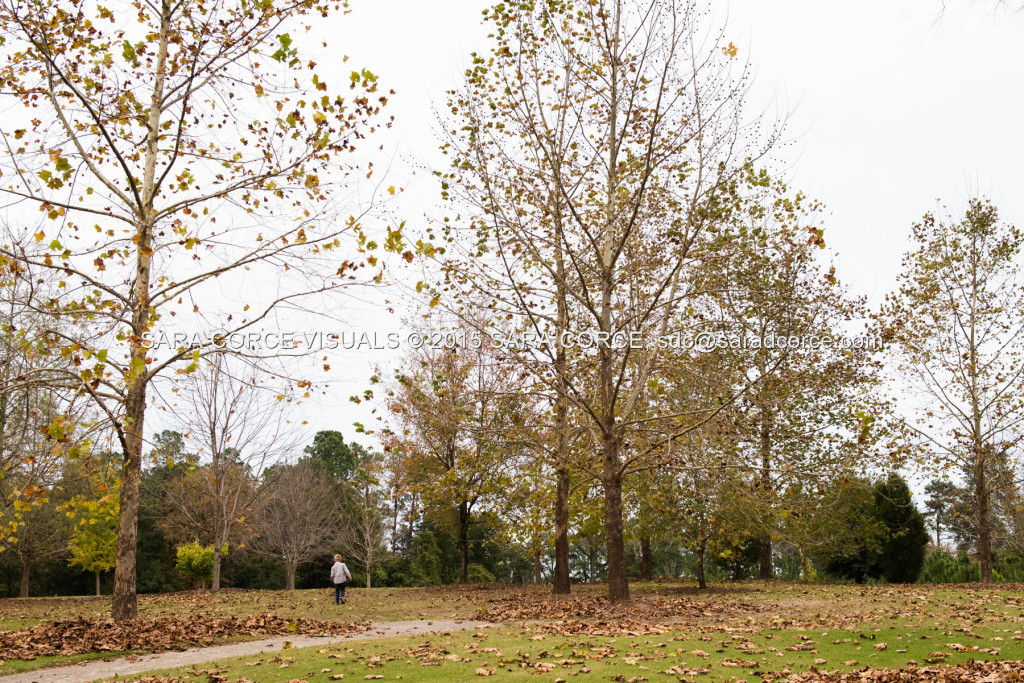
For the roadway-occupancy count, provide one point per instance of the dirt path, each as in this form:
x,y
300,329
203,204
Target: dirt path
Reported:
x,y
97,670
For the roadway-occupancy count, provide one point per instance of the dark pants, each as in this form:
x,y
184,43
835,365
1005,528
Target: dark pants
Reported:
x,y
339,592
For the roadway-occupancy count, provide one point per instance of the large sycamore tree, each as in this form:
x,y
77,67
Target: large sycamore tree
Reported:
x,y
804,422
160,145
592,148
957,324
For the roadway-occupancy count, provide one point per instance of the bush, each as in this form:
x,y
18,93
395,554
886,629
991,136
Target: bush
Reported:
x,y
1009,568
941,567
196,561
477,573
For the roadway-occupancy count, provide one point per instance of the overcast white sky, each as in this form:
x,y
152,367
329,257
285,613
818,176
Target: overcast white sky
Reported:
x,y
891,107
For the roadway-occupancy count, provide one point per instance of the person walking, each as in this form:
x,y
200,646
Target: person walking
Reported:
x,y
340,576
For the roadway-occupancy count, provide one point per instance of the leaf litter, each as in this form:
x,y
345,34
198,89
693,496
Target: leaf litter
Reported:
x,y
81,635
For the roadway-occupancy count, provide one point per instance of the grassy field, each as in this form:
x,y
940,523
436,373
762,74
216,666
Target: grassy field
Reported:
x,y
670,631
380,604
518,653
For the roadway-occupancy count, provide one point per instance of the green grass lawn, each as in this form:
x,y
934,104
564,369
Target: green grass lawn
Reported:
x,y
741,631
518,653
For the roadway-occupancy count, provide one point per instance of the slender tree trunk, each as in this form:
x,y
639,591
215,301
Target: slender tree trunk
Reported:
x,y
26,564
981,449
289,573
765,559
805,567
646,559
538,577
98,593
124,604
981,497
410,528
215,580
561,581
618,581
464,542
394,521
701,579
562,585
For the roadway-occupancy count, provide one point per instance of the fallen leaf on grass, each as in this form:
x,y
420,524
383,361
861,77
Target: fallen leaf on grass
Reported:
x,y
80,636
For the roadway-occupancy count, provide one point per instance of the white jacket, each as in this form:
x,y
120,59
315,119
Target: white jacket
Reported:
x,y
339,573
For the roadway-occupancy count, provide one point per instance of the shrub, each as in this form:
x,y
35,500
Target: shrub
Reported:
x,y
941,567
196,561
477,573
1009,568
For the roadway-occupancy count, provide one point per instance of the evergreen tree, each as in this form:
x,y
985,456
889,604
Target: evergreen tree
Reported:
x,y
902,555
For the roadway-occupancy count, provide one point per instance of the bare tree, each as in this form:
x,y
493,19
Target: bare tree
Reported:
x,y
237,428
298,516
364,520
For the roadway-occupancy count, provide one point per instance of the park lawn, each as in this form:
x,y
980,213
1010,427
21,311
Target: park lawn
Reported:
x,y
513,653
788,603
737,624
379,604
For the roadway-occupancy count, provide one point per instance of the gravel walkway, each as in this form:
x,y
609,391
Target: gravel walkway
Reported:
x,y
100,670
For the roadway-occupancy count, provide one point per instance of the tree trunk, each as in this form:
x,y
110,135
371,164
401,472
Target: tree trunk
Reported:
x,y
805,567
26,564
289,574
394,521
561,577
766,559
646,559
765,570
538,577
981,497
215,580
124,604
618,581
410,527
98,593
464,542
701,580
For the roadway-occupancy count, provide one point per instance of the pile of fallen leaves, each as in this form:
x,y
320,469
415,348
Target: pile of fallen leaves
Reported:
x,y
972,672
597,615
80,635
